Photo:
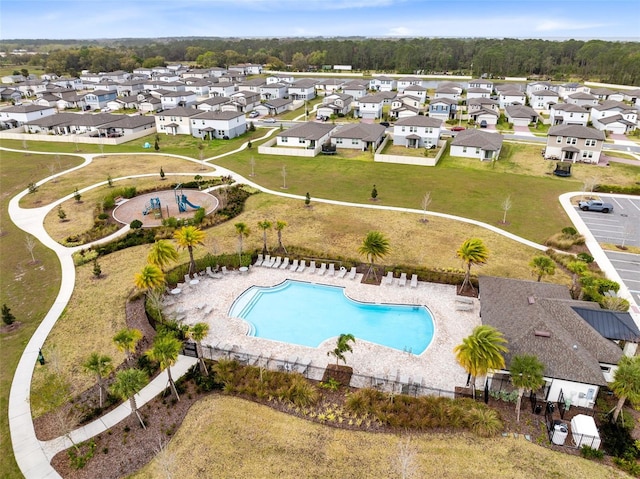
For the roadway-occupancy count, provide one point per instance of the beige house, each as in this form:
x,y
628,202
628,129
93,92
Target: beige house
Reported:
x,y
574,143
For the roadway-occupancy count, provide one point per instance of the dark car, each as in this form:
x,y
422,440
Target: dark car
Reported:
x,y
483,124
385,124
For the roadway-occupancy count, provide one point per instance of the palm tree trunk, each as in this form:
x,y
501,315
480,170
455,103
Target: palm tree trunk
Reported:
x,y
134,410
519,403
618,408
172,384
264,242
203,366
100,387
473,387
192,262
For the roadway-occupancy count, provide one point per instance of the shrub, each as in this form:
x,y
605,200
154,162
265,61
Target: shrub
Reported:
x,y
590,453
81,453
301,392
484,422
7,316
136,224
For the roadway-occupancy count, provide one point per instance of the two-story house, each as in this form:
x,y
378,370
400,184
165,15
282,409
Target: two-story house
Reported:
x,y
568,114
443,108
417,131
382,83
218,124
511,97
176,121
543,99
540,85
481,83
582,99
222,89
335,104
174,99
98,99
574,143
568,89
369,107
356,88
271,91
15,116
303,89
446,92
405,82
478,93
615,117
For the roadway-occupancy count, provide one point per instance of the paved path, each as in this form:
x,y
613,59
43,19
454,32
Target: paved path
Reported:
x,y
32,455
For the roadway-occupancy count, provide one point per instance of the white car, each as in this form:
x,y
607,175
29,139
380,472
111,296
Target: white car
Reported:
x,y
269,120
254,114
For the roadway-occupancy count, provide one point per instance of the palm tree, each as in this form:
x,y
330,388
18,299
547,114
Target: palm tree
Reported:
x,y
626,382
374,246
126,340
162,253
188,237
542,266
280,225
264,226
242,231
342,346
127,384
578,268
198,332
165,351
151,277
473,251
101,366
481,352
526,373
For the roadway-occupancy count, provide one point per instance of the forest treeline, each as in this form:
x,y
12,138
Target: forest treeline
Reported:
x,y
608,61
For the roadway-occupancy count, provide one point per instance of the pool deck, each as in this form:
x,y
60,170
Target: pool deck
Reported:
x,y
210,301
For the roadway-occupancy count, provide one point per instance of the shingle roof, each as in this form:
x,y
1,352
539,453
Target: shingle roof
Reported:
x,y
217,115
133,121
25,108
572,350
419,120
308,131
304,83
547,93
521,111
569,107
582,96
613,104
576,131
615,118
361,131
478,139
614,325
476,90
180,111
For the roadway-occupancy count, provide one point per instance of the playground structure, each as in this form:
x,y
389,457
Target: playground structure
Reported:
x,y
182,201
153,206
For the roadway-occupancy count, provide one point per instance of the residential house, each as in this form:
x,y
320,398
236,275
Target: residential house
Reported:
x,y
359,136
97,124
130,87
582,99
447,92
479,144
222,89
356,88
478,93
149,104
329,85
369,107
538,86
10,94
568,89
128,125
307,135
521,115
68,82
271,91
417,91
404,103
405,82
218,124
303,89
537,319
511,97
632,95
481,83
281,78
275,106
212,104
176,121
97,99
47,99
58,124
568,114
603,94
217,72
574,143
543,99
482,103
338,104
451,85
15,116
383,83
616,326
246,68
614,116
201,73
484,116
159,85
254,85
242,101
417,131
199,86
443,108
174,99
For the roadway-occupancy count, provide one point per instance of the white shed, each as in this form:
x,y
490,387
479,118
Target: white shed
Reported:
x,y
585,432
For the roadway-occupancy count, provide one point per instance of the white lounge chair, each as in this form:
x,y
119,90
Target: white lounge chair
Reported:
x,y
303,265
294,265
323,268
187,278
259,260
414,280
277,263
267,261
352,273
285,264
341,272
312,267
403,279
332,269
389,278
224,270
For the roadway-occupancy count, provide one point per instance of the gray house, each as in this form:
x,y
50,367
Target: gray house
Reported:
x,y
478,144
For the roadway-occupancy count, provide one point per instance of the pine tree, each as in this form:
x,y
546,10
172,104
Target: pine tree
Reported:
x,y
7,317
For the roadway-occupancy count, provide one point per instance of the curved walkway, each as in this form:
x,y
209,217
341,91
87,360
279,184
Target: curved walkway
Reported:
x,y
33,456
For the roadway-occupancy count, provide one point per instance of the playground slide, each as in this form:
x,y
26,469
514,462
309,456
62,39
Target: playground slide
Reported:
x,y
186,201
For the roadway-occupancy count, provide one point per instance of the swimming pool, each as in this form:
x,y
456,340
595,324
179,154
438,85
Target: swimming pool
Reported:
x,y
308,314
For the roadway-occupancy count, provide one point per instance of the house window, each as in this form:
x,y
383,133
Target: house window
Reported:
x,y
355,141
590,142
403,128
464,149
428,131
605,369
571,141
587,154
284,139
339,141
559,139
477,151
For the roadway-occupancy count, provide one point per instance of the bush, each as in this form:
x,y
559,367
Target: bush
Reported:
x,y
136,224
590,453
484,422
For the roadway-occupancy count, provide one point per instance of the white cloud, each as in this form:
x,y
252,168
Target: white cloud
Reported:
x,y
399,32
555,25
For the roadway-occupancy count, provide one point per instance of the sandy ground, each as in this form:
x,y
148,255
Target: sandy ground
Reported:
x,y
211,299
132,209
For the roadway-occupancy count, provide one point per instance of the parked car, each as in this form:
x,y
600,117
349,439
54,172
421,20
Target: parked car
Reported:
x,y
458,128
595,205
269,120
483,124
386,124
254,114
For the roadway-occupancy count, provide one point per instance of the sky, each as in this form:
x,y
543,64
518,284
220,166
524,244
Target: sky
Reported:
x,y
93,19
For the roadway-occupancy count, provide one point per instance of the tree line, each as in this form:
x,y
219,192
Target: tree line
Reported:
x,y
609,61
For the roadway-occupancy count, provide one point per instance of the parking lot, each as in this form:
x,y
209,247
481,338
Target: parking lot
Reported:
x,y
621,227
628,267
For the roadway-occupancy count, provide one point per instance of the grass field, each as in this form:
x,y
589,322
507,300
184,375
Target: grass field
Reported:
x,y
227,437
28,289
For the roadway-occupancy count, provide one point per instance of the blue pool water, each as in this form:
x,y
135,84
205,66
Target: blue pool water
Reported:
x,y
308,314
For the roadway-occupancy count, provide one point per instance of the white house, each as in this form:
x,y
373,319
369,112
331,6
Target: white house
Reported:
x,y
382,83
479,144
222,89
243,101
574,143
305,135
303,89
446,92
212,104
271,91
198,86
176,121
481,83
405,82
355,88
174,99
539,85
417,131
335,104
482,103
275,106
614,116
543,99
521,115
417,91
358,136
510,97
603,94
485,116
369,107
218,124
252,85
478,93
582,99
568,89
568,114
15,116
329,85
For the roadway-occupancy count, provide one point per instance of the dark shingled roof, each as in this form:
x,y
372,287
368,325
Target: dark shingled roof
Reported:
x,y
361,131
576,131
614,325
308,131
419,120
180,111
519,309
478,139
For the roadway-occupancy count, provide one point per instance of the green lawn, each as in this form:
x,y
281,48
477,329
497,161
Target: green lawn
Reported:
x,y
28,289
